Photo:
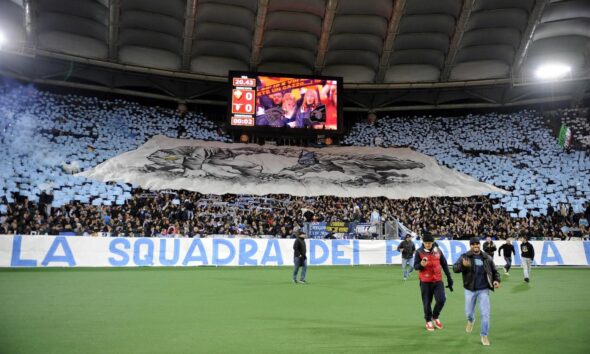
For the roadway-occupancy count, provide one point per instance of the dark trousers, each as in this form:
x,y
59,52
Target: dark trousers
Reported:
x,y
298,262
430,290
508,263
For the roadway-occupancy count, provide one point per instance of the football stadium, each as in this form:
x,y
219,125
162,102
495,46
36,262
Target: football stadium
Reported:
x,y
277,176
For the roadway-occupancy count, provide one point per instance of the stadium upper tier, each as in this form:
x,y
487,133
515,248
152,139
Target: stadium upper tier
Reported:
x,y
44,137
419,54
377,41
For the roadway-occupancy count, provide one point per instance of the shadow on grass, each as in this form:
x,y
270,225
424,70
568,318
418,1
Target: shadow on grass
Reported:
x,y
520,288
371,338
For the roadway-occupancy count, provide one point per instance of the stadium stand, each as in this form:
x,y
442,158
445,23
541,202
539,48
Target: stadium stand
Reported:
x,y
579,121
515,152
46,137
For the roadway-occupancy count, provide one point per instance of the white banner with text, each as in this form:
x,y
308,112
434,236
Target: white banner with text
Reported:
x,y
80,251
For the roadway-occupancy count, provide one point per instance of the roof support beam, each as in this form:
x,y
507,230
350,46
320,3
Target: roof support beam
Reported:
x,y
30,10
464,105
456,40
258,33
505,92
522,96
327,22
102,88
392,100
580,92
190,15
161,87
206,92
357,102
527,36
480,96
114,12
394,20
53,74
214,78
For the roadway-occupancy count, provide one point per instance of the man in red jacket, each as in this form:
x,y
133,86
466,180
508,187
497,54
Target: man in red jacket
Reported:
x,y
428,261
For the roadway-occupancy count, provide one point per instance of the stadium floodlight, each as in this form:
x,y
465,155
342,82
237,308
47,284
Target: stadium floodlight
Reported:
x,y
552,71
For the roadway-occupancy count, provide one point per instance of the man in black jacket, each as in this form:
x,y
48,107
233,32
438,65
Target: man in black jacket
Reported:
x,y
300,257
489,247
479,277
508,250
407,248
527,255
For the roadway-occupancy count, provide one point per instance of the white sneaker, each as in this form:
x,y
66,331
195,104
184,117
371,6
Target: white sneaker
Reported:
x,y
485,341
469,327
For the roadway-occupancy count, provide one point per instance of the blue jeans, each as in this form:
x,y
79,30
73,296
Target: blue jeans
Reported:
x,y
508,263
407,267
298,262
471,298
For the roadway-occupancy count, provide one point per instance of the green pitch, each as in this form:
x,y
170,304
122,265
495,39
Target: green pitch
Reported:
x,y
258,310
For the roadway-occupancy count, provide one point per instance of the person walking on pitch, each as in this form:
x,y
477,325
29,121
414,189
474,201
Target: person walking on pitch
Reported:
x,y
407,248
300,258
429,261
489,247
527,255
507,250
479,277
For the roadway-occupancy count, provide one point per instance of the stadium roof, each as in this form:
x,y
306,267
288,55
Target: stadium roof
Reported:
x,y
390,53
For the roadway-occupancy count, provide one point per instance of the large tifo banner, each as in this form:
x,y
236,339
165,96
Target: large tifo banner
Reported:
x,y
63,251
219,168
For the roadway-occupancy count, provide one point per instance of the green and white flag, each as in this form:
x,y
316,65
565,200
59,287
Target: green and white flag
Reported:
x,y
569,138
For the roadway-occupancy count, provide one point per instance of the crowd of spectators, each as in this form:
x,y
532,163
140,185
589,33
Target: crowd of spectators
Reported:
x,y
45,137
191,214
578,120
514,151
69,133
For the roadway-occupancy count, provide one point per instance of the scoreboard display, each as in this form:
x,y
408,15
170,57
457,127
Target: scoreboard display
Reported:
x,y
268,101
243,101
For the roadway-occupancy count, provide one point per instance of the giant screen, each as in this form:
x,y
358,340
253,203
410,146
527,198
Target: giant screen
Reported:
x,y
284,101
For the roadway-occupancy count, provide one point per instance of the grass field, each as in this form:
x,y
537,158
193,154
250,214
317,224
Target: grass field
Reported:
x,y
258,310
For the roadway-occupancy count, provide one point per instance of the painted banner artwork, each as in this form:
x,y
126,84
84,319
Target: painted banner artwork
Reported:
x,y
219,168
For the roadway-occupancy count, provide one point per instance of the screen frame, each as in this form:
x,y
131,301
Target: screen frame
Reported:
x,y
283,130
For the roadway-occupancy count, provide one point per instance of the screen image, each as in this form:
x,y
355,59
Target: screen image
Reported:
x,y
280,101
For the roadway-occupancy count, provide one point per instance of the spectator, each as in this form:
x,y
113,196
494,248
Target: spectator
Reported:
x,y
407,249
508,250
489,247
527,253
429,261
300,258
479,277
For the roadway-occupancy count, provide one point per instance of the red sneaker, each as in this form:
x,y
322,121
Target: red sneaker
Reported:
x,y
437,323
429,326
